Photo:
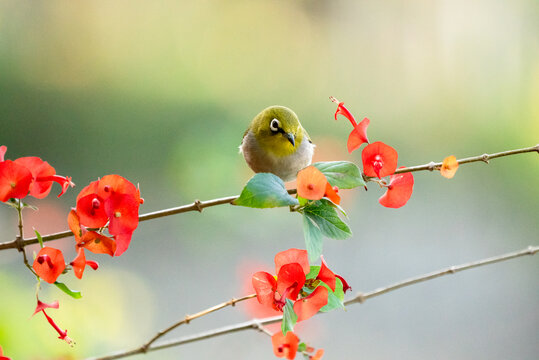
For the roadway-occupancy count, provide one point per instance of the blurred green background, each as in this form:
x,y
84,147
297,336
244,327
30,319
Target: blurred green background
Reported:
x,y
161,92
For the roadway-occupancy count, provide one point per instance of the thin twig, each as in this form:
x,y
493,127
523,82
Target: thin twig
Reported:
x,y
200,205
257,324
189,318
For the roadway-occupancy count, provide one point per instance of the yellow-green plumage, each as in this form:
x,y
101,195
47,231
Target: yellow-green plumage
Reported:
x,y
276,142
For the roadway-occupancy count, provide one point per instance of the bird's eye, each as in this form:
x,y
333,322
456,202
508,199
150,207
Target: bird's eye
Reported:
x,y
274,125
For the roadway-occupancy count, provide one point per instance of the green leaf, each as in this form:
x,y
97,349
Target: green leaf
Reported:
x,y
313,273
325,217
265,190
289,317
344,174
39,238
68,291
335,299
313,238
25,205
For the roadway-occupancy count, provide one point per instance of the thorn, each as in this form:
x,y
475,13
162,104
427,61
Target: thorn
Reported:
x,y
484,158
452,270
198,205
360,298
431,166
187,319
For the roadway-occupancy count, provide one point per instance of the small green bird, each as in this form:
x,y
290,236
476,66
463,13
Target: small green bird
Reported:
x,y
275,142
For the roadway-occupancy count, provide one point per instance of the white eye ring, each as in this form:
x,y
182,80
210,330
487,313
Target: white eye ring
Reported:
x,y
275,125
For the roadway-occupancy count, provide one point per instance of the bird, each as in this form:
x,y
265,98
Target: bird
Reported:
x,y
275,142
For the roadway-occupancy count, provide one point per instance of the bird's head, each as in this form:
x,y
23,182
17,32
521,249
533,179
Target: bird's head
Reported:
x,y
278,130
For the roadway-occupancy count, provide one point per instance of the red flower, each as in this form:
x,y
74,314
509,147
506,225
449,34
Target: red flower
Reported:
x,y
398,191
43,176
113,200
62,334
80,262
358,136
90,207
90,240
291,266
15,180
49,264
379,160
285,346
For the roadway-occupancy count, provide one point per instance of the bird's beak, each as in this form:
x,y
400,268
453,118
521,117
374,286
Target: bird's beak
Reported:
x,y
290,138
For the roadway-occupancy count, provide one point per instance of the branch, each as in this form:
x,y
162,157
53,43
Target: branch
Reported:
x,y
484,158
257,324
200,205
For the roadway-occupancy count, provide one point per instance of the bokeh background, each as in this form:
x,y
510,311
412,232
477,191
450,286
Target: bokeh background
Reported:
x,y
161,93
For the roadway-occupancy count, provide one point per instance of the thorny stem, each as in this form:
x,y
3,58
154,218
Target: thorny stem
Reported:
x,y
257,324
189,318
200,205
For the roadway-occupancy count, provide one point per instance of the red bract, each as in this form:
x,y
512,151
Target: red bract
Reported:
x,y
398,191
292,256
285,346
345,286
49,264
326,275
358,136
15,180
122,210
42,306
309,306
80,262
379,160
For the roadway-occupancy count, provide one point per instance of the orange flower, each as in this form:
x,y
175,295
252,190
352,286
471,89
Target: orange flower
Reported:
x,y
449,167
311,183
49,264
285,345
318,355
